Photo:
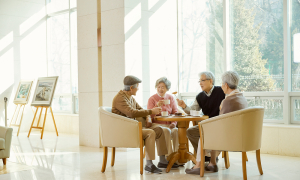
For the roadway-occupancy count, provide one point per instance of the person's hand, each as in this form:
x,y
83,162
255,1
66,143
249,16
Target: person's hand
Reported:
x,y
181,103
156,110
148,124
160,103
172,126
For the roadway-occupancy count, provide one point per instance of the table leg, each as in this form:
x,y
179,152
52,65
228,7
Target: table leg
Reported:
x,y
171,155
182,141
175,157
190,157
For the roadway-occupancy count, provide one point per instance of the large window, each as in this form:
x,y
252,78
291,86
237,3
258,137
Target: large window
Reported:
x,y
256,32
253,37
62,53
202,41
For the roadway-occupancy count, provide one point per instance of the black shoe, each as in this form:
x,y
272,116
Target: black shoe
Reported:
x,y
153,169
162,165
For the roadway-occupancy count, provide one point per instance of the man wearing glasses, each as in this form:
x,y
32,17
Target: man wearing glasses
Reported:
x,y
208,100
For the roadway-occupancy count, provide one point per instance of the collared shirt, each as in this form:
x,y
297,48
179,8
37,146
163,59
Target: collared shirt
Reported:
x,y
209,93
195,105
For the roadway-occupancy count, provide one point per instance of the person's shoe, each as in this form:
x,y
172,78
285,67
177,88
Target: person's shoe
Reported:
x,y
193,171
213,168
153,169
162,165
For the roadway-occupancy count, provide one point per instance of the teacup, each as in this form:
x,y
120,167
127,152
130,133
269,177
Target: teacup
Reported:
x,y
167,101
192,112
196,113
164,113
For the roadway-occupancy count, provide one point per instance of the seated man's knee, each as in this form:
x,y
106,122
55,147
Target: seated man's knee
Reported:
x,y
188,132
192,132
167,130
158,131
175,130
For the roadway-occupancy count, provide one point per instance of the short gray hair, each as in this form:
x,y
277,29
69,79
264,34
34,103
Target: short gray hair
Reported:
x,y
165,81
231,78
127,87
208,75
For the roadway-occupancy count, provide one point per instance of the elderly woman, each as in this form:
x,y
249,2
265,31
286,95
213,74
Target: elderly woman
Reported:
x,y
233,101
162,85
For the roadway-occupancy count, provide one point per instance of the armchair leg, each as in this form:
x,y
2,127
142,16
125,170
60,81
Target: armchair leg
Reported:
x,y
259,162
113,154
4,161
223,154
141,148
201,153
244,157
202,162
226,159
104,159
144,153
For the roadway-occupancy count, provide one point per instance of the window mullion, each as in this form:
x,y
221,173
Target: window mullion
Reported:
x,y
226,34
287,62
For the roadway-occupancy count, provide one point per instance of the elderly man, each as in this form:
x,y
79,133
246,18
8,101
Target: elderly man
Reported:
x,y
208,100
125,105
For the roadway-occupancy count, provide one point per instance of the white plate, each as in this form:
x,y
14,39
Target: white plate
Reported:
x,y
164,116
196,116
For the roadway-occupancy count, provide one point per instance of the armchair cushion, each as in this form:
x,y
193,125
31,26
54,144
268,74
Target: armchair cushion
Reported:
x,y
2,143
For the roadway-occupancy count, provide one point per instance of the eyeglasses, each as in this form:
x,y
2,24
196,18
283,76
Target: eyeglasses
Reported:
x,y
202,80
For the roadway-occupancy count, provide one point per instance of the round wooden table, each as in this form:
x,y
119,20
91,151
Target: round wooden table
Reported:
x,y
182,122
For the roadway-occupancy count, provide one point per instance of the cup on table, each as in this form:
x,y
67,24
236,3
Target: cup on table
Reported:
x,y
196,113
192,112
164,113
167,101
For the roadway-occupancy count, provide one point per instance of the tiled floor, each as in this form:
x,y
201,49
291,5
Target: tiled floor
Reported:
x,y
62,158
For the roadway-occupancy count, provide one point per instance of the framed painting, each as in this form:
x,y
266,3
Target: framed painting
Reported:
x,y
23,92
44,91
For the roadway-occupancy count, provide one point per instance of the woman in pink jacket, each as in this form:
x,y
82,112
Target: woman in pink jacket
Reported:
x,y
162,85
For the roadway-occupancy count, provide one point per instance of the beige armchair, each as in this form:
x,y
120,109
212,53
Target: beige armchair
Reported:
x,y
238,131
5,143
119,131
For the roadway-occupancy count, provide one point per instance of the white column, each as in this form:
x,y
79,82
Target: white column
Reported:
x,y
89,72
113,49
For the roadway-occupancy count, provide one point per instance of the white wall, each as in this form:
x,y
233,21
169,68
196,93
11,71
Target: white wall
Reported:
x,y
22,47
281,140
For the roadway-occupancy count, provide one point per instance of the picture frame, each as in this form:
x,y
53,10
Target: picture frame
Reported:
x,y
44,91
23,92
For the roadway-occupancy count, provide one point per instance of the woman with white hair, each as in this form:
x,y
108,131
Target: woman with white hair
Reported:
x,y
162,85
234,101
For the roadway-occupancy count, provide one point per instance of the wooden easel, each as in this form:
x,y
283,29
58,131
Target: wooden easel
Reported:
x,y
37,126
18,109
